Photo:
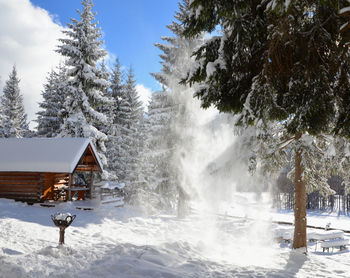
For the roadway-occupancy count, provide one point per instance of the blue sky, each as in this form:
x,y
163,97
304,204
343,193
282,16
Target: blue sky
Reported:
x,y
130,29
30,30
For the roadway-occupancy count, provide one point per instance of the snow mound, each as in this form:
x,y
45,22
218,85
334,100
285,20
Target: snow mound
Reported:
x,y
62,216
111,185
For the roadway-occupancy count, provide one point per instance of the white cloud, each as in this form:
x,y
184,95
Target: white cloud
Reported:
x,y
144,94
28,38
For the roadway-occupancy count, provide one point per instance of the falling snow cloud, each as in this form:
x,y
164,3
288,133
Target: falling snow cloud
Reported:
x,y
28,38
144,94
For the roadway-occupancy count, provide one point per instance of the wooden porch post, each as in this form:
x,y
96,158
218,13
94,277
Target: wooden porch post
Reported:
x,y
69,187
91,182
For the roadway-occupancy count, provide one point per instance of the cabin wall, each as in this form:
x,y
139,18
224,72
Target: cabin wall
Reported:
x,y
21,186
34,187
31,186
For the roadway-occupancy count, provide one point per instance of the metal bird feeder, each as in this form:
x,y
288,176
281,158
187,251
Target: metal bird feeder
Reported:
x,y
62,221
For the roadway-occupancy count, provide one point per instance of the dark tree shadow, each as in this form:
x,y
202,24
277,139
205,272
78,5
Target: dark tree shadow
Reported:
x,y
295,262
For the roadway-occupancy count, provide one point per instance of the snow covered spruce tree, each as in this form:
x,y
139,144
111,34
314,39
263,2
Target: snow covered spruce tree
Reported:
x,y
50,118
339,160
117,78
85,83
108,108
158,182
113,142
278,66
176,49
14,119
128,119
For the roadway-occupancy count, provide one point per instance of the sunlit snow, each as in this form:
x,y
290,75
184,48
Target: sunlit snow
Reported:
x,y
122,242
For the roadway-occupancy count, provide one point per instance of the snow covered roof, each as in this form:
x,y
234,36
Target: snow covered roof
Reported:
x,y
58,155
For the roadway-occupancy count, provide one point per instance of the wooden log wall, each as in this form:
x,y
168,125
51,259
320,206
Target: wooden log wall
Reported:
x,y
53,181
31,187
21,186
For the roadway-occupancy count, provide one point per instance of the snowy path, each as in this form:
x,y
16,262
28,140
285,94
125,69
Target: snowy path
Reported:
x,y
123,243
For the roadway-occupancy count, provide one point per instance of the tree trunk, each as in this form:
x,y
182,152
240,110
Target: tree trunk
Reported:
x,y
299,205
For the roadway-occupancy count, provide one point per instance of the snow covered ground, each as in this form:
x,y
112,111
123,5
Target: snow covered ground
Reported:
x,y
122,242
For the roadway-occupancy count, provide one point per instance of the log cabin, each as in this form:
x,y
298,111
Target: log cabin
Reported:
x,y
36,170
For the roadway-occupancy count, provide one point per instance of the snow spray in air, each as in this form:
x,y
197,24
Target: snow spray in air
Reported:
x,y
209,169
209,166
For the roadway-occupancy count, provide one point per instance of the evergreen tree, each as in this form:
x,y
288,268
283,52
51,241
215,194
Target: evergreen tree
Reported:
x,y
136,109
85,84
276,63
176,49
114,139
126,136
50,119
157,180
109,107
14,118
117,85
129,120
232,58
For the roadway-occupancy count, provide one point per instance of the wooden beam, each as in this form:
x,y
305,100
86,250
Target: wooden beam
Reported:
x,y
19,178
69,187
19,182
17,174
91,182
19,190
88,159
86,168
95,158
10,195
18,186
57,175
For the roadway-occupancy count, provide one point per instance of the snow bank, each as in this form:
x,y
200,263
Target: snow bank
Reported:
x,y
111,185
323,235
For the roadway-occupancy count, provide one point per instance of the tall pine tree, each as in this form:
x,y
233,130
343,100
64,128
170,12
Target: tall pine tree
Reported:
x,y
158,175
176,49
108,107
113,143
50,118
117,86
276,64
14,118
85,84
129,118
